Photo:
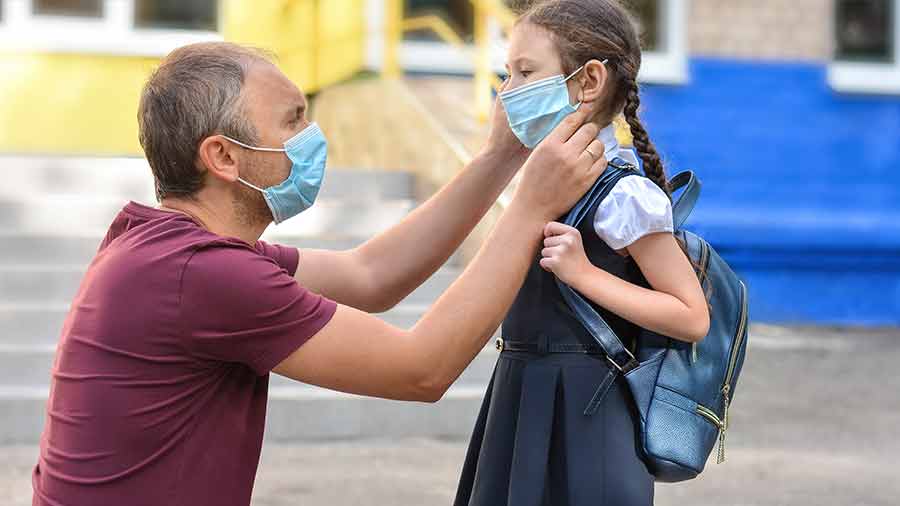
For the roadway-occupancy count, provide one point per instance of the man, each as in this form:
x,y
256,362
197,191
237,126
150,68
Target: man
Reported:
x,y
159,388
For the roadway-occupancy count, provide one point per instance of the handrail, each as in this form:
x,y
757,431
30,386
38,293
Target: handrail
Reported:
x,y
485,11
437,25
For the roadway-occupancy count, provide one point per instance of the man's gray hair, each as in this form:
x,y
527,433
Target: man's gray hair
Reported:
x,y
194,93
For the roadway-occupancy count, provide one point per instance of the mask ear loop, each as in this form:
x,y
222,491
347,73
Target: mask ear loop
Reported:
x,y
605,60
239,143
255,148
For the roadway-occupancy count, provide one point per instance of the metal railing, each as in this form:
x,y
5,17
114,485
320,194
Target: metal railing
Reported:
x,y
485,11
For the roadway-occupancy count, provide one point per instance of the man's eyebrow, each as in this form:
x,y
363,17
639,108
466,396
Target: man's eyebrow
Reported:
x,y
295,111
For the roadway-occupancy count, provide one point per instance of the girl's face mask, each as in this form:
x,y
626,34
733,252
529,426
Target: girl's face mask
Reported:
x,y
535,109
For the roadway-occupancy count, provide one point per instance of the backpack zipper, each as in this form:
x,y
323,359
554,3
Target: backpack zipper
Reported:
x,y
726,387
710,415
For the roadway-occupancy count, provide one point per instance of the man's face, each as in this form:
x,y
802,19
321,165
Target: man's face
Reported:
x,y
277,110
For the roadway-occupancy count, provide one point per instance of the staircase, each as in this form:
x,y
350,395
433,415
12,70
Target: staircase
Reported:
x,y
53,215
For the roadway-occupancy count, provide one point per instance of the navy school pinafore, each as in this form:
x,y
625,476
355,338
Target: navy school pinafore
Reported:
x,y
539,440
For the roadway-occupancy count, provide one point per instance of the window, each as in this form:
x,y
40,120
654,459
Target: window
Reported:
x,y
176,14
458,14
662,28
121,27
864,31
80,8
865,38
647,15
661,23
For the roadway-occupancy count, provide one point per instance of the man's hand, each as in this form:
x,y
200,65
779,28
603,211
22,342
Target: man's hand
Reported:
x,y
562,167
501,141
563,252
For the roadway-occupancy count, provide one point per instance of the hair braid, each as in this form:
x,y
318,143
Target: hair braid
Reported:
x,y
653,165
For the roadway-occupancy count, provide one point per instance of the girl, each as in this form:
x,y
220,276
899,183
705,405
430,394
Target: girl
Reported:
x,y
542,437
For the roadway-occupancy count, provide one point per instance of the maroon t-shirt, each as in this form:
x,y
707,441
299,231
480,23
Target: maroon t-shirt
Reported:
x,y
159,386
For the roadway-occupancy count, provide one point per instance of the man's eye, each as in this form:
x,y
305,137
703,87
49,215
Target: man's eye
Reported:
x,y
526,73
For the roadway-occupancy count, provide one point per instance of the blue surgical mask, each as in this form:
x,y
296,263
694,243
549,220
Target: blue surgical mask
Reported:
x,y
307,151
535,109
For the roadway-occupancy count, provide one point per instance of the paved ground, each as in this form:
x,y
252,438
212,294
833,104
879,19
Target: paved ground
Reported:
x,y
815,421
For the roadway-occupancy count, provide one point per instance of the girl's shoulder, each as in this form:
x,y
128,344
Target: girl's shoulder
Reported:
x,y
634,207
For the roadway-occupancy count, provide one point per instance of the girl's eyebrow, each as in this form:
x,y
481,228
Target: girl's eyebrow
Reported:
x,y
522,60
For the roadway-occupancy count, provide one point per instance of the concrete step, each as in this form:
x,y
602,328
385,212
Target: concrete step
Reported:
x,y
85,214
299,413
55,284
130,178
39,284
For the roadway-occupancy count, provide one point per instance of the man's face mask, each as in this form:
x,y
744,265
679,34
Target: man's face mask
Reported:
x,y
535,109
307,151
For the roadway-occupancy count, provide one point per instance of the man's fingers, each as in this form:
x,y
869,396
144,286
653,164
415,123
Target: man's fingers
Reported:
x,y
568,126
597,168
586,134
591,153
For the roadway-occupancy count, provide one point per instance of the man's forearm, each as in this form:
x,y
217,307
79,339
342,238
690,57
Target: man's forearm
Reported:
x,y
401,258
456,328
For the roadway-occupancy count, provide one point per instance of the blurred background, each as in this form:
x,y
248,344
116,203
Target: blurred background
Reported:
x,y
787,110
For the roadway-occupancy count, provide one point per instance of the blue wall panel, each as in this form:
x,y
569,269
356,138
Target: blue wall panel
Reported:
x,y
801,185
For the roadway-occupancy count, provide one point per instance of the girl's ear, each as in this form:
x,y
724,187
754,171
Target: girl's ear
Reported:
x,y
593,81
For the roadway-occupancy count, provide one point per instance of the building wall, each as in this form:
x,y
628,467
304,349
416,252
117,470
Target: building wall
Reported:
x,y
767,29
64,103
801,184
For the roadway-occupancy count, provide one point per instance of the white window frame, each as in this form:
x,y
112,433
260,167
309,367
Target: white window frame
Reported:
x,y
862,77
114,33
668,66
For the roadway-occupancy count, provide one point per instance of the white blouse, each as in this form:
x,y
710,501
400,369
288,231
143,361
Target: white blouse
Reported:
x,y
634,207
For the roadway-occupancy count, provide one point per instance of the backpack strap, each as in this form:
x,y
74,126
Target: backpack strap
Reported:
x,y
684,204
616,352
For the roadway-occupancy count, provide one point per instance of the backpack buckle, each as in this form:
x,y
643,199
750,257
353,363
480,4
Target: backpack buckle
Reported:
x,y
631,364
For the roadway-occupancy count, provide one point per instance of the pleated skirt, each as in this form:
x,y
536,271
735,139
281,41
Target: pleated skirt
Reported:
x,y
533,444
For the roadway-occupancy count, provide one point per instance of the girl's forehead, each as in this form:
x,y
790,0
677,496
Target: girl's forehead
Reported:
x,y
530,42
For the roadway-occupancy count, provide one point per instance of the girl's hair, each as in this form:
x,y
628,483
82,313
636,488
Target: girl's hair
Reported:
x,y
602,29
585,30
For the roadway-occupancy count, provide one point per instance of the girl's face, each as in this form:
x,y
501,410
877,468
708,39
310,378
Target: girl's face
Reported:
x,y
532,56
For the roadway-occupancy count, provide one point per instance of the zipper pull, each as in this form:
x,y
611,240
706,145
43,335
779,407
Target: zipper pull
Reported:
x,y
693,353
724,428
721,457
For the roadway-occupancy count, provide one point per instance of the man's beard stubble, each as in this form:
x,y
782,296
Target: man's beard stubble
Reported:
x,y
250,205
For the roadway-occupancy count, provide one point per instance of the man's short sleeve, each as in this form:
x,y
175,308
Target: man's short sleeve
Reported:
x,y
285,256
238,305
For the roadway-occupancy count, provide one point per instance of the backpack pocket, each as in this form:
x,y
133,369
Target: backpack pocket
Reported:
x,y
677,422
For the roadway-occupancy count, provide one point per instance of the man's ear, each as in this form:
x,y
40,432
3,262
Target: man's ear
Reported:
x,y
219,157
593,81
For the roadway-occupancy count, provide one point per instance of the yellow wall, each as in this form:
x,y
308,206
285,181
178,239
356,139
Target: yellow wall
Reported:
x,y
87,104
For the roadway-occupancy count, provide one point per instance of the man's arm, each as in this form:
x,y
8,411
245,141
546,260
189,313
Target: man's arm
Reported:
x,y
358,353
380,273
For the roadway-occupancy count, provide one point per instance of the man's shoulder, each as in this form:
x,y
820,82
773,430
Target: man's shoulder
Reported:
x,y
227,262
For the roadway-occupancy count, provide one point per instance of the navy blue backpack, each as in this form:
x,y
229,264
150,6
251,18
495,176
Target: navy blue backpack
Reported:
x,y
682,390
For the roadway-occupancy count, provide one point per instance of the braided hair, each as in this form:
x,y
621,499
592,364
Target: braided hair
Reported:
x,y
602,29
585,30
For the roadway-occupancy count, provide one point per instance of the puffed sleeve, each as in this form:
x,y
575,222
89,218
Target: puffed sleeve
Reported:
x,y
635,207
